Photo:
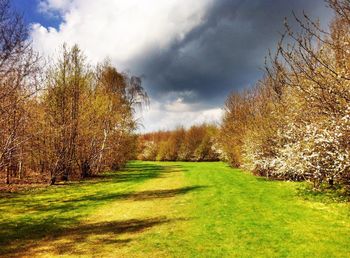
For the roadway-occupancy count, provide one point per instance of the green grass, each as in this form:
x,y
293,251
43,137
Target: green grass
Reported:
x,y
174,209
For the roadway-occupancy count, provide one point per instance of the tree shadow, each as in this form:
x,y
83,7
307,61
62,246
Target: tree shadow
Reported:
x,y
34,215
39,199
325,195
104,233
80,232
88,200
135,196
70,248
77,197
131,173
158,194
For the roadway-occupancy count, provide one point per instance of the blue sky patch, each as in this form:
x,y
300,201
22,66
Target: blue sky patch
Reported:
x,y
31,13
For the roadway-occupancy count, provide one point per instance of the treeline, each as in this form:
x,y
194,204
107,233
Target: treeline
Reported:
x,y
295,123
65,120
198,143
70,119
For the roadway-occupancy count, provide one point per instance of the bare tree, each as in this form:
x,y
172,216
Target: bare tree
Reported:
x,y
19,65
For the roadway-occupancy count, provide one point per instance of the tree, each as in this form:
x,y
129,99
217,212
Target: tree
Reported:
x,y
294,123
66,80
199,143
18,69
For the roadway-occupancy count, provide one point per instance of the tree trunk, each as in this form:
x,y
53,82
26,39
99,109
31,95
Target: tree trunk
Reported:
x,y
85,169
103,146
7,176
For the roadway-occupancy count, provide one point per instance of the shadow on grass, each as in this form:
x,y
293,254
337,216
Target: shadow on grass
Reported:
x,y
146,195
139,196
57,194
325,195
134,172
104,233
44,213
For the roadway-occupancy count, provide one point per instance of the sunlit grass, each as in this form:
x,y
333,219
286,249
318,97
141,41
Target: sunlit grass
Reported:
x,y
174,209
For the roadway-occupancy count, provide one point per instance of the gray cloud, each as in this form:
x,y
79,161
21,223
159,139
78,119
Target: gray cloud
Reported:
x,y
224,53
188,69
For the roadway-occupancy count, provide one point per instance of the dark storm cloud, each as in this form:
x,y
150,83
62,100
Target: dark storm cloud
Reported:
x,y
226,52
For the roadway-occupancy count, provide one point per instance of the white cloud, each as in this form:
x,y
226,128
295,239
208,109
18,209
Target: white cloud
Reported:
x,y
177,106
166,117
124,30
52,6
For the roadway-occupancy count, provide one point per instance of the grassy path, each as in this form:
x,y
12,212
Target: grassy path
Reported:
x,y
173,210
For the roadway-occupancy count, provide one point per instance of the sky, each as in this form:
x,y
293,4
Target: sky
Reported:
x,y
190,54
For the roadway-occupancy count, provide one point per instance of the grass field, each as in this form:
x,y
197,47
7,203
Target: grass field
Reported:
x,y
153,209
